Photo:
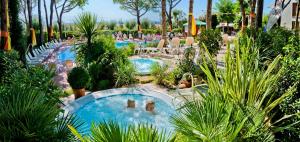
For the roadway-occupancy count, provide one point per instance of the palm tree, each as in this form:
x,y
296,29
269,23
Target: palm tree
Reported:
x,y
113,132
30,116
87,25
208,14
191,7
163,16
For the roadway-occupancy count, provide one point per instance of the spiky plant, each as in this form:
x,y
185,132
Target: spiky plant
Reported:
x,y
113,132
87,25
26,115
248,98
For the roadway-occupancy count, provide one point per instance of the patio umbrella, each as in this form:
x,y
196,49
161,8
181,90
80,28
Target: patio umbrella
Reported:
x,y
194,28
33,37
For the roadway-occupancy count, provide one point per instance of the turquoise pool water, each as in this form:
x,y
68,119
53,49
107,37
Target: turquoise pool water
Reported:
x,y
66,54
114,108
143,65
120,44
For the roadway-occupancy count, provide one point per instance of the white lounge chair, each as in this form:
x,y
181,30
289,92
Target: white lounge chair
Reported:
x,y
151,49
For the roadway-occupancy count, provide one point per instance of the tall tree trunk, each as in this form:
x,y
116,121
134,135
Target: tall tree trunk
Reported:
x,y
163,16
138,21
208,14
242,8
46,13
59,19
170,20
29,10
16,29
259,14
191,6
297,18
41,37
252,13
4,30
50,28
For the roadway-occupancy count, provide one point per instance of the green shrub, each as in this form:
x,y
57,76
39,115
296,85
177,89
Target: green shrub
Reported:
x,y
27,115
212,40
102,60
8,63
159,72
29,105
152,44
129,50
187,65
177,30
290,77
271,43
125,74
78,78
146,24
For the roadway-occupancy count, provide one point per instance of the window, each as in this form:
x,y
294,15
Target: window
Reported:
x,y
294,9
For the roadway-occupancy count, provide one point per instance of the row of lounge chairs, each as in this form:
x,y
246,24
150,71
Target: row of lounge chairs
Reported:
x,y
173,48
42,52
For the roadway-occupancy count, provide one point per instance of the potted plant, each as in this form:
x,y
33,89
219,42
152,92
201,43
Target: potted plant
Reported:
x,y
78,78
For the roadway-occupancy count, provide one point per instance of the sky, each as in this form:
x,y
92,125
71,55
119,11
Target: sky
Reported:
x,y
108,11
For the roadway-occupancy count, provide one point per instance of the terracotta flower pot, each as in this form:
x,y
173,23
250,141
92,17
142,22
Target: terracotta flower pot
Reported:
x,y
79,93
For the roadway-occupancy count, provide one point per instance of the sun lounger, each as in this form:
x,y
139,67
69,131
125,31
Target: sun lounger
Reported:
x,y
174,46
159,48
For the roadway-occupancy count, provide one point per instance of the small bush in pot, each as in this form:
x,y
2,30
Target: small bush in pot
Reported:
x,y
78,79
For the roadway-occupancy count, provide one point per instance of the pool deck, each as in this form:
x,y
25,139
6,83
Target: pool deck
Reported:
x,y
60,78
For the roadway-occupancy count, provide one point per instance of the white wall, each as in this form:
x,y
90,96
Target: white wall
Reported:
x,y
286,16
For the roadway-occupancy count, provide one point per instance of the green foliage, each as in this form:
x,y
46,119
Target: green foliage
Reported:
x,y
102,60
187,64
240,100
151,44
87,25
25,115
289,77
217,119
129,50
78,78
130,25
146,24
225,9
112,25
177,30
16,29
139,5
8,63
29,104
113,132
270,44
159,72
212,40
125,74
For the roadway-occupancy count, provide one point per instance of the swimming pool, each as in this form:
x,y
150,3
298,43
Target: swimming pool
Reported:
x,y
67,54
143,65
120,44
111,105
